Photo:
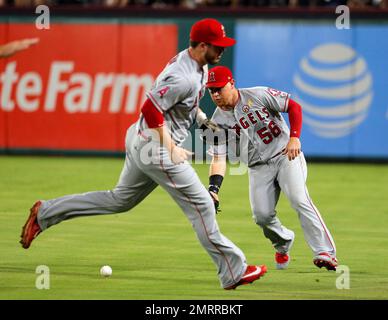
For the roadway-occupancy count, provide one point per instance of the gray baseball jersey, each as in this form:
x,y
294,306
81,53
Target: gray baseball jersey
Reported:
x,y
257,118
176,93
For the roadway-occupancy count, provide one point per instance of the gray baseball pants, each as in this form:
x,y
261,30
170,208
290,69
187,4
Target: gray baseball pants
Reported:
x,y
265,183
141,174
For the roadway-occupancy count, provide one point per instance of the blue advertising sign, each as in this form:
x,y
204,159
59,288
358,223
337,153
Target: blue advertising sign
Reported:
x,y
340,77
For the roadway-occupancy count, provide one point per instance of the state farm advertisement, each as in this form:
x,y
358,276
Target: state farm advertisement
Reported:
x,y
81,86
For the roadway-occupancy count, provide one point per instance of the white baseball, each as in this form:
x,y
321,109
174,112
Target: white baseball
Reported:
x,y
106,271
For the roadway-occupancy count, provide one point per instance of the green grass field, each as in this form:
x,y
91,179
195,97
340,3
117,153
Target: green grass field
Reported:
x,y
154,252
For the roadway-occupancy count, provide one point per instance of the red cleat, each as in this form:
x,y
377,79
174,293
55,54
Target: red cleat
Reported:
x,y
252,273
324,259
31,228
282,260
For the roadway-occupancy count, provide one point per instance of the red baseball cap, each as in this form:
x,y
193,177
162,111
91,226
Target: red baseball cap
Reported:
x,y
218,77
210,31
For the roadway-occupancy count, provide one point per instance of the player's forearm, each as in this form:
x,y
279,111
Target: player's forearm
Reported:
x,y
216,174
11,48
201,117
2,52
295,117
218,166
165,138
6,50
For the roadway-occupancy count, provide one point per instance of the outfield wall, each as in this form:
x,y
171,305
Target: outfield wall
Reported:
x,y
83,84
339,77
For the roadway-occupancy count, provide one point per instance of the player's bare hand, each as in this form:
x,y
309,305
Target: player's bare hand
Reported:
x,y
214,195
293,148
180,155
216,201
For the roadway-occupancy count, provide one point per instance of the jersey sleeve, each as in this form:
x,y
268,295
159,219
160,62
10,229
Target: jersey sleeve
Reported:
x,y
169,91
275,99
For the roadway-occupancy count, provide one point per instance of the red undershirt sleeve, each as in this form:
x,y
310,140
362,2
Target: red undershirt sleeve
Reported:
x,y
152,115
295,117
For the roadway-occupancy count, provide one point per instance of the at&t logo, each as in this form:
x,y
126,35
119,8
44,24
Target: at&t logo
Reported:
x,y
334,86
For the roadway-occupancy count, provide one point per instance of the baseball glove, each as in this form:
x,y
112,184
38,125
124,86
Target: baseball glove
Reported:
x,y
212,133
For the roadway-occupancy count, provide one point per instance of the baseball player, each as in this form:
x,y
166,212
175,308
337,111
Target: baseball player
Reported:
x,y
154,156
275,163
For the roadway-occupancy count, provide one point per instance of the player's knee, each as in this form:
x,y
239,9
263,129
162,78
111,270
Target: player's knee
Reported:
x,y
298,202
262,218
209,208
122,200
205,204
